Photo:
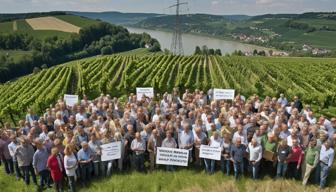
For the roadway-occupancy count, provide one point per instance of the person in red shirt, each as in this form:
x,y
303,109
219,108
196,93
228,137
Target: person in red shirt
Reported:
x,y
294,160
55,165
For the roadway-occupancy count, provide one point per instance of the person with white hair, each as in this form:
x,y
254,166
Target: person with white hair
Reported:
x,y
255,154
326,160
85,157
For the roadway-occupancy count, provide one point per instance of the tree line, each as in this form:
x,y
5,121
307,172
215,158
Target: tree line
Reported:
x,y
100,38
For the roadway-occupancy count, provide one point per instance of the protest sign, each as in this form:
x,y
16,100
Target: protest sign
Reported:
x,y
147,91
111,151
172,156
70,100
220,94
208,152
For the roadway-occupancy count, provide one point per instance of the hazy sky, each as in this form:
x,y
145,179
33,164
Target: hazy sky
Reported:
x,y
222,7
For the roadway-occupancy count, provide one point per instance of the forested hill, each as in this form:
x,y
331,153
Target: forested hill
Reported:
x,y
288,32
28,44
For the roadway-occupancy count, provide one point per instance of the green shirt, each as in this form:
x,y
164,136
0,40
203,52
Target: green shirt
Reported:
x,y
311,154
270,146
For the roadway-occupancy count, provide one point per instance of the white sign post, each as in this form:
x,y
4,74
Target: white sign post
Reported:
x,y
70,100
172,156
208,152
111,151
147,91
220,94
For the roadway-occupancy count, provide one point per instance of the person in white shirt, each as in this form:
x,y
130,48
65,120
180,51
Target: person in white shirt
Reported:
x,y
216,142
12,147
70,165
240,133
255,154
326,160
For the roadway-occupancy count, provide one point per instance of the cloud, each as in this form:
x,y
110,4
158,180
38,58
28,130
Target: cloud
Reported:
x,y
264,1
214,2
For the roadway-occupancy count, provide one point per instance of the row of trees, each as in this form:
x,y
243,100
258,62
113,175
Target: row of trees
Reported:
x,y
101,38
206,51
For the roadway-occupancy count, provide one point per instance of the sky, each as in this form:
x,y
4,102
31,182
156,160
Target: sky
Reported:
x,y
218,7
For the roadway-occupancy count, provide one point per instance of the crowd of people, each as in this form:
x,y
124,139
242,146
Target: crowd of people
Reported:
x,y
273,136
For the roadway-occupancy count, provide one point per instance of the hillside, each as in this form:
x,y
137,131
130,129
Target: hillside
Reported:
x,y
117,18
42,40
289,32
21,25
118,75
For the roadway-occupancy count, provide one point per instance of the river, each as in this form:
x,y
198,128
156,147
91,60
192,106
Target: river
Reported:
x,y
190,41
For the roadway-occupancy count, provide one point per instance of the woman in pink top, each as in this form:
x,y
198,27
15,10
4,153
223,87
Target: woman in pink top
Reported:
x,y
294,160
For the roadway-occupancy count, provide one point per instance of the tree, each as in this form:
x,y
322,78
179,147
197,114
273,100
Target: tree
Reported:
x,y
255,52
106,50
155,47
198,51
205,50
211,51
36,70
218,52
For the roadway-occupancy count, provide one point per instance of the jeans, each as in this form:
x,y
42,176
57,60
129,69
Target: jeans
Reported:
x,y
210,165
8,165
281,169
72,184
139,161
293,172
324,174
17,170
106,168
255,169
238,168
317,175
85,172
58,185
96,168
225,164
26,171
44,178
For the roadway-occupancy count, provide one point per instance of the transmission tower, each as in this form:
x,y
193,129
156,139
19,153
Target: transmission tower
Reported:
x,y
177,46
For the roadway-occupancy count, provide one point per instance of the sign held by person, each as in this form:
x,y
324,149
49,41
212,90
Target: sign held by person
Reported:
x,y
144,91
220,94
111,151
172,156
208,152
70,100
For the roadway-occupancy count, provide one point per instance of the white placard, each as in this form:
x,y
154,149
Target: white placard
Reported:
x,y
224,94
172,156
208,152
70,100
111,151
147,91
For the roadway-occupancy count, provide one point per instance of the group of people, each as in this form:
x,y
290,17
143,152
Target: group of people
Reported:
x,y
257,137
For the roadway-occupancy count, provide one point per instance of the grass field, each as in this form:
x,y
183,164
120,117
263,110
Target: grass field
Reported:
x,y
76,20
61,26
185,180
6,27
52,23
16,55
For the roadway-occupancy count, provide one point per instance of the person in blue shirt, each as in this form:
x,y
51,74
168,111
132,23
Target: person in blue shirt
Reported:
x,y
40,160
237,154
85,157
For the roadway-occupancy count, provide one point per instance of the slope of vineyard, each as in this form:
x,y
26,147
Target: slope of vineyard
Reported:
x,y
312,79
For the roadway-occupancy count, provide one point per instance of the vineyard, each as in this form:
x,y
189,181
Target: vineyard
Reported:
x,y
312,79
